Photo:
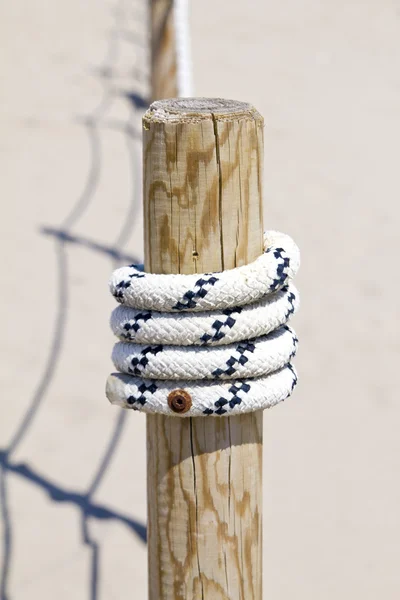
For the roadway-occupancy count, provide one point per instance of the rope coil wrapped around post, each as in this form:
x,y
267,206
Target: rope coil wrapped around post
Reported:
x,y
206,344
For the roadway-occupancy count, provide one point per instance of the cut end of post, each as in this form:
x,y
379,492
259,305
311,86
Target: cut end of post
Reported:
x,y
193,110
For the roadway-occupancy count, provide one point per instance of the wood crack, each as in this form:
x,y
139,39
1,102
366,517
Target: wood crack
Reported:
x,y
218,156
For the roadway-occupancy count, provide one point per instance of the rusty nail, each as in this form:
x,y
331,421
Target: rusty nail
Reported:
x,y
179,401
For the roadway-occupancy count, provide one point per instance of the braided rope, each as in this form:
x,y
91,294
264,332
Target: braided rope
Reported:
x,y
235,287
194,334
211,328
250,358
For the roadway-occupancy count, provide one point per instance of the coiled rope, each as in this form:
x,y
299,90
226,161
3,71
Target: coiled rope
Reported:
x,y
210,344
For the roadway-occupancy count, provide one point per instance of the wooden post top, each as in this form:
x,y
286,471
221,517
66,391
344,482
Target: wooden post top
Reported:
x,y
202,161
189,110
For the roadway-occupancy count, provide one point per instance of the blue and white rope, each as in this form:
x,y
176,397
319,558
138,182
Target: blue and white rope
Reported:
x,y
222,337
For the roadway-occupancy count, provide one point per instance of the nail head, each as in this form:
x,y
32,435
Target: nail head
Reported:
x,y
179,401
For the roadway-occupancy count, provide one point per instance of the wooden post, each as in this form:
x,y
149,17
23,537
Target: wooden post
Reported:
x,y
163,50
203,212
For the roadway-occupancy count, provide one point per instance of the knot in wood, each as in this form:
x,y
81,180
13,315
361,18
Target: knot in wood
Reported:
x,y
179,401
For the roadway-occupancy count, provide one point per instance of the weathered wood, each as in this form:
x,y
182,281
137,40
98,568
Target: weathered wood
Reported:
x,y
163,50
203,212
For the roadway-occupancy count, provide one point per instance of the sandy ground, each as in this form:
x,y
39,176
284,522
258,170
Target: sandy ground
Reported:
x,y
326,76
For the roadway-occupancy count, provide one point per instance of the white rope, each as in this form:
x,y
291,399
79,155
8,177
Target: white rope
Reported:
x,y
182,46
250,358
235,287
208,398
185,351
211,328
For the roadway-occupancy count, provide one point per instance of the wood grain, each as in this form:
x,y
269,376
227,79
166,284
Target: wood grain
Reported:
x,y
203,211
163,50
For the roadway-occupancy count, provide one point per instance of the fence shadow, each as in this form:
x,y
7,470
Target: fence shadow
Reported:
x,y
63,237
111,251
82,501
